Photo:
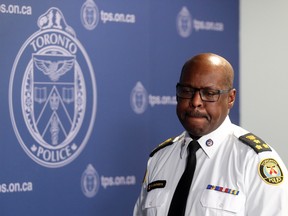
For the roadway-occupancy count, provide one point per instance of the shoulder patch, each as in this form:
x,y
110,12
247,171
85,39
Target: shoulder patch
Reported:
x,y
162,145
270,171
255,142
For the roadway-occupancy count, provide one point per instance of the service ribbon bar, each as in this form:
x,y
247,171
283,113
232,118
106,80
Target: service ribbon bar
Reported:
x,y
222,189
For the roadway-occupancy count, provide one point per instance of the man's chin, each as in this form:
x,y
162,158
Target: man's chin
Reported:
x,y
196,128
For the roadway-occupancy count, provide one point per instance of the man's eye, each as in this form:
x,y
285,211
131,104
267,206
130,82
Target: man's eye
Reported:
x,y
210,92
186,90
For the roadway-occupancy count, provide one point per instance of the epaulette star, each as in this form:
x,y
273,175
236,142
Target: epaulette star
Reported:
x,y
255,142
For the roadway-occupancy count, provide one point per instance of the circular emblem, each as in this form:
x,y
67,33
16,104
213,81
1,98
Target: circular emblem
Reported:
x,y
90,182
270,171
184,23
209,142
89,15
52,93
139,98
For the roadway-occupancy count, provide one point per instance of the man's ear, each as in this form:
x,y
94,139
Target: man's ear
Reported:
x,y
231,98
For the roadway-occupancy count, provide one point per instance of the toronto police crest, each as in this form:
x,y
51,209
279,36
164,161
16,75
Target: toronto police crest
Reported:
x,y
139,98
184,22
89,15
270,171
90,181
52,93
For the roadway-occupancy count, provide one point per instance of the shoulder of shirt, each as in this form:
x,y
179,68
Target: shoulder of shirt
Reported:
x,y
164,144
255,142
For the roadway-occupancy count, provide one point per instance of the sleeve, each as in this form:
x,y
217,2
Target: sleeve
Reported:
x,y
142,197
139,203
267,191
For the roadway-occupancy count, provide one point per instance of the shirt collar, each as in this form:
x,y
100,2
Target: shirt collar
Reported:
x,y
210,142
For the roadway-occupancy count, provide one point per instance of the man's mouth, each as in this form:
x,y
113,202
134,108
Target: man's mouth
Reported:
x,y
193,114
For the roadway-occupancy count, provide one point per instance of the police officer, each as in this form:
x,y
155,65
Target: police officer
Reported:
x,y
236,172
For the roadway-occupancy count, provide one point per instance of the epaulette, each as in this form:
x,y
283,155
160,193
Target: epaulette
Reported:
x,y
255,142
162,145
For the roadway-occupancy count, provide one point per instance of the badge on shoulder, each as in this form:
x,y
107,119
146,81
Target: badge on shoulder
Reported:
x,y
270,171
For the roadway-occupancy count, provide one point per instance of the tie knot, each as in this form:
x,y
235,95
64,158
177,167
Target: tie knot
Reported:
x,y
193,146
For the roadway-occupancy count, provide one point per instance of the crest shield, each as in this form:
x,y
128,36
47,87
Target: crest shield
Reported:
x,y
53,88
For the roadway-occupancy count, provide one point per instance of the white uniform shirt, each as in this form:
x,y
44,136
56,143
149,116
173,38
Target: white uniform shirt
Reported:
x,y
227,179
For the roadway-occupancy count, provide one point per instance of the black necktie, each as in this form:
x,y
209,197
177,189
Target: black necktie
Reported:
x,y
178,203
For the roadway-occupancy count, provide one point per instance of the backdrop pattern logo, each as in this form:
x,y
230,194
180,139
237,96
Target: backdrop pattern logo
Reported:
x,y
139,98
51,112
184,22
90,182
89,14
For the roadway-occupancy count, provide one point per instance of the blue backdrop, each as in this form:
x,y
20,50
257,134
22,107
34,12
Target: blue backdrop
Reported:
x,y
87,90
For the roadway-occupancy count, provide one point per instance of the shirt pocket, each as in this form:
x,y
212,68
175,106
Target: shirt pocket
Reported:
x,y
155,198
222,203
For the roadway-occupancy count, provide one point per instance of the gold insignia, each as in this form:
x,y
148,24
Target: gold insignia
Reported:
x,y
255,142
270,171
162,145
156,184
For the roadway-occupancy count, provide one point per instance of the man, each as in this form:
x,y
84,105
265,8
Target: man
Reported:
x,y
236,172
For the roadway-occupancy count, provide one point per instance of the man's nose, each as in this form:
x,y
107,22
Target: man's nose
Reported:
x,y
196,99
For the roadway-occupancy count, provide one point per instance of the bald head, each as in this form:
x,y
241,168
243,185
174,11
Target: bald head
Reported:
x,y
213,61
205,76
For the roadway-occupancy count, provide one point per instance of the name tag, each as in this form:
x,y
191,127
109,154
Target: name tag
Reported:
x,y
156,184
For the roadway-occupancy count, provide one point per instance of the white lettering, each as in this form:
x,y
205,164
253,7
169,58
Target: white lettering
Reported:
x,y
54,39
117,181
16,9
16,187
117,17
54,155
208,25
162,100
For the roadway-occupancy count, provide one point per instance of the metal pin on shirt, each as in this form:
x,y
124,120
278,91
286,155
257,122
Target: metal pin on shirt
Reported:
x,y
209,142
